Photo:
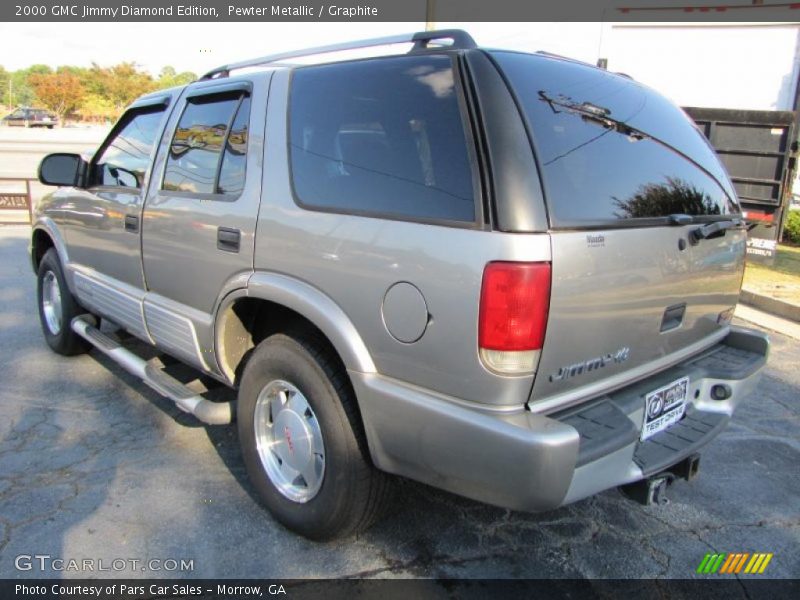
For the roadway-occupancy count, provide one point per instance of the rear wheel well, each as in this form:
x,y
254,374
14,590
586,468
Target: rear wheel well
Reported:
x,y
248,321
41,242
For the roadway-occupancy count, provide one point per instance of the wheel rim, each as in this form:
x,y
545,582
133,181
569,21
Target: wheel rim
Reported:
x,y
51,302
289,441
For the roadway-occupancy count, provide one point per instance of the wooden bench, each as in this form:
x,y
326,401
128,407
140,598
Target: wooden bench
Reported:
x,y
15,201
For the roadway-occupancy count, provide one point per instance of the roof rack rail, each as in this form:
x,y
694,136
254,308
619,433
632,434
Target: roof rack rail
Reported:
x,y
461,41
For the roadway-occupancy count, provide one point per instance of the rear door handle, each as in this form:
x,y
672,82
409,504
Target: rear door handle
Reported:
x,y
132,223
228,239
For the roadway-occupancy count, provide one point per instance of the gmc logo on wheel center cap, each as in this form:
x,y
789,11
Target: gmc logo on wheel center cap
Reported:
x,y
287,434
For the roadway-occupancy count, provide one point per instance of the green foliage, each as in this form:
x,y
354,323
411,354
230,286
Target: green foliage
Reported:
x,y
791,228
97,108
120,84
94,93
169,78
20,92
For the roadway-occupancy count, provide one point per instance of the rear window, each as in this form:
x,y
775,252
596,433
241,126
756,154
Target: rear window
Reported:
x,y
610,149
381,137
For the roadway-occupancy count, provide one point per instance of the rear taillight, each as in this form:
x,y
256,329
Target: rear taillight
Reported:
x,y
515,299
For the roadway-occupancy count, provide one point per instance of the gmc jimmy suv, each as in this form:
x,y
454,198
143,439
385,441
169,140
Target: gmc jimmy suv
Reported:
x,y
510,276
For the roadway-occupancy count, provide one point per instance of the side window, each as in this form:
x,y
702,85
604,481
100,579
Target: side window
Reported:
x,y
232,171
126,156
382,136
208,150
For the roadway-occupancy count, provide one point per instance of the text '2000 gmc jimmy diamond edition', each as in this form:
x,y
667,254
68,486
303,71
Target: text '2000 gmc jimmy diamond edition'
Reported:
x,y
510,276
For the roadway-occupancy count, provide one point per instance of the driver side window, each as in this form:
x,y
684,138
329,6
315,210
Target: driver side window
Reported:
x,y
126,155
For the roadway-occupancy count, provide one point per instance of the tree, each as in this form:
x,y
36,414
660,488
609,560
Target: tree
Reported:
x,y
20,92
121,84
60,92
170,78
5,77
97,108
675,197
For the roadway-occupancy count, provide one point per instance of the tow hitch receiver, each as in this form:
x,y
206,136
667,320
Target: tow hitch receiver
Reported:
x,y
688,468
653,490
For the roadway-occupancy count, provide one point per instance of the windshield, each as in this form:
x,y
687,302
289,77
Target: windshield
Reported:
x,y
610,149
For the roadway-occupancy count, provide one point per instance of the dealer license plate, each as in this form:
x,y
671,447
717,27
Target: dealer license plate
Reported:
x,y
664,407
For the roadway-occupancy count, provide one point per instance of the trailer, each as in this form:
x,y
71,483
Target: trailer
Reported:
x,y
759,149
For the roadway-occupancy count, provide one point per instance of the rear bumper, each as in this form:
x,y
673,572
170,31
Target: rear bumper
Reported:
x,y
532,462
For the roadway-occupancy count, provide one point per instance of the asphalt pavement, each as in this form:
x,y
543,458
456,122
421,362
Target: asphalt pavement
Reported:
x,y
95,466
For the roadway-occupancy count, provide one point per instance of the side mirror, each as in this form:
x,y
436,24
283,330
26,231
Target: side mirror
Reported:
x,y
62,169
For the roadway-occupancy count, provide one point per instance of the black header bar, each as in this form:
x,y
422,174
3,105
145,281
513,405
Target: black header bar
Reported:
x,y
400,10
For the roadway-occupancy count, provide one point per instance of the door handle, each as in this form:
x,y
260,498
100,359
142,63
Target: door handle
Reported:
x,y
228,239
132,223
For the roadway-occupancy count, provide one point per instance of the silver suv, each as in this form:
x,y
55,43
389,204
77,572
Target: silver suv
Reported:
x,y
510,276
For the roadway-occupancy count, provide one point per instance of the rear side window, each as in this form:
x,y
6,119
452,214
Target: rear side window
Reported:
x,y
382,137
126,156
232,171
208,149
610,149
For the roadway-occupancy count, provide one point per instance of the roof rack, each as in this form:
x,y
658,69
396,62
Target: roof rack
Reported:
x,y
461,41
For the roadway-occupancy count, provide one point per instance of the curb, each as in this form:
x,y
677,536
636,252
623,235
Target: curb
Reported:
x,y
774,306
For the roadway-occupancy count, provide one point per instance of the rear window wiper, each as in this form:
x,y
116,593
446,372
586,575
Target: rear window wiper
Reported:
x,y
715,229
591,113
678,220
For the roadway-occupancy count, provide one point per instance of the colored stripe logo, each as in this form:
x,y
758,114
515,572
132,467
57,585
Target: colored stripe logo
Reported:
x,y
734,563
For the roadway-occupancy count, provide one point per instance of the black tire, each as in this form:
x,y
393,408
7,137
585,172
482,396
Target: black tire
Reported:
x,y
353,492
63,341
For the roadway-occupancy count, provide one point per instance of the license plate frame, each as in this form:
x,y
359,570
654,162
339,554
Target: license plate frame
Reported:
x,y
664,407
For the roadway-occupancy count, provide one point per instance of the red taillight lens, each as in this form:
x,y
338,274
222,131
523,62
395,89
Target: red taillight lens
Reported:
x,y
515,299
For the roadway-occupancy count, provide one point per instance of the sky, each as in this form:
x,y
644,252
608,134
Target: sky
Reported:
x,y
730,66
199,47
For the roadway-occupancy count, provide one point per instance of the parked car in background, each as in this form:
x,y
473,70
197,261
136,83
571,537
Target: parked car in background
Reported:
x,y
31,117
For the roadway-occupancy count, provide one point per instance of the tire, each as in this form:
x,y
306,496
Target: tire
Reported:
x,y
57,308
344,493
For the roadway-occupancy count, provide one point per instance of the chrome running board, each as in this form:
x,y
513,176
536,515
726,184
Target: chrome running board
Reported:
x,y
212,413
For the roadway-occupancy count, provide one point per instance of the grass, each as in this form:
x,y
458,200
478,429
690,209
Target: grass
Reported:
x,y
781,280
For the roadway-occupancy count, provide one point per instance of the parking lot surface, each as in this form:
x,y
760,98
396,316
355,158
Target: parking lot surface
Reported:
x,y
94,465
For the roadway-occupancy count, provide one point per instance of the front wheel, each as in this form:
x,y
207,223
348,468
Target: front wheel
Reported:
x,y
302,440
57,308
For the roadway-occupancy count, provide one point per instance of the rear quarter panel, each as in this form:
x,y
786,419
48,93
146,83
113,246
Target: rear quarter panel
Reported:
x,y
354,260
